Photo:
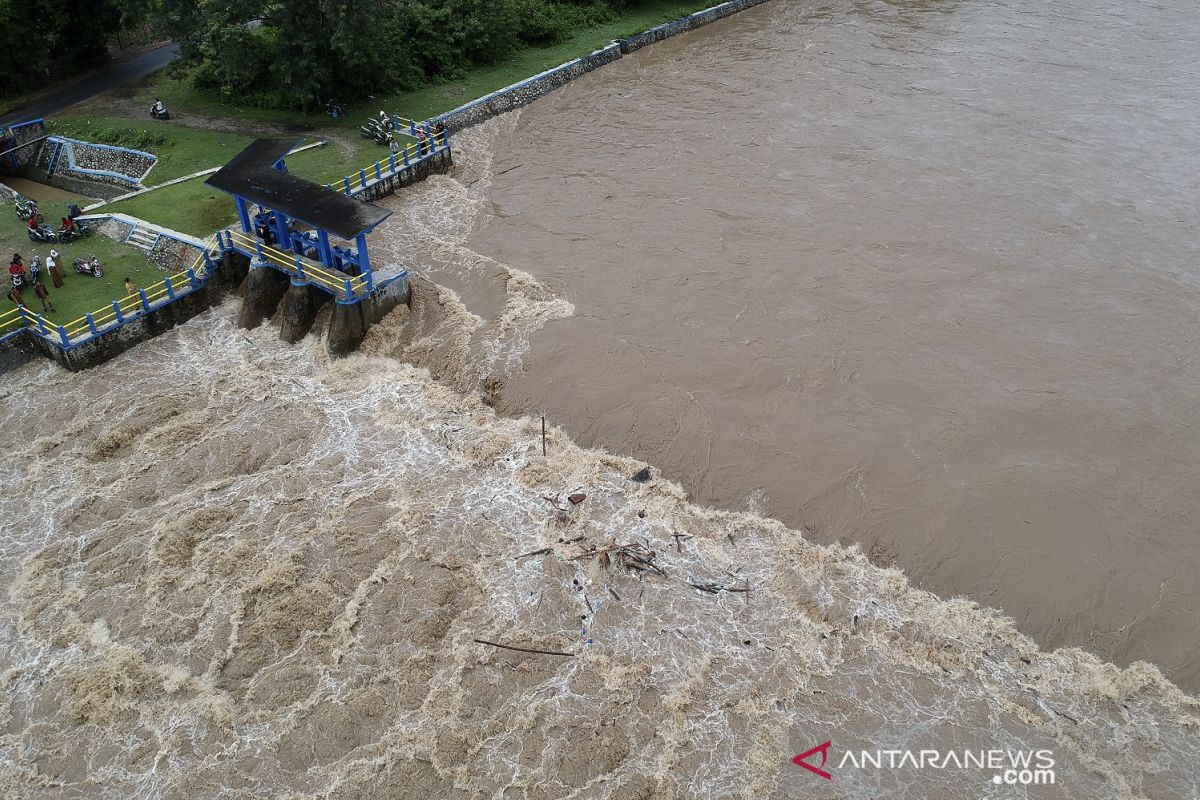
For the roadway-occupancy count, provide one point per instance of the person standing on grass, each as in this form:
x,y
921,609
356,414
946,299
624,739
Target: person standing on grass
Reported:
x,y
39,289
130,287
14,294
52,267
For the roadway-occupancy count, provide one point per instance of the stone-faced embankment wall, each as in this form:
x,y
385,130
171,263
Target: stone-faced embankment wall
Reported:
x,y
688,23
439,163
17,135
170,254
231,271
104,162
173,255
530,89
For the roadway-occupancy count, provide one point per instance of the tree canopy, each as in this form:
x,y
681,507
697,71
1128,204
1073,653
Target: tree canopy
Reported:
x,y
291,54
51,34
299,53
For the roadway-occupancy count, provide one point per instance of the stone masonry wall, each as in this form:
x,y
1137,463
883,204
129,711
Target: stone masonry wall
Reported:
x,y
689,23
24,156
132,164
172,255
528,90
438,163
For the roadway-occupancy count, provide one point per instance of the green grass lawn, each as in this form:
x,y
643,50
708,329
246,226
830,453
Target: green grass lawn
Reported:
x,y
80,293
196,209
180,150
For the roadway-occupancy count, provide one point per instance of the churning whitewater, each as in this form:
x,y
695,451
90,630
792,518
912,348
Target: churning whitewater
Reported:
x,y
236,569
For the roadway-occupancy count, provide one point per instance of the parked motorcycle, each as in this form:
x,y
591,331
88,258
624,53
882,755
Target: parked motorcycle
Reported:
x,y
78,232
26,207
375,129
42,233
91,267
35,269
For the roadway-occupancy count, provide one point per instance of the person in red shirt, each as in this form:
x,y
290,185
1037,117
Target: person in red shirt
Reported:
x,y
16,274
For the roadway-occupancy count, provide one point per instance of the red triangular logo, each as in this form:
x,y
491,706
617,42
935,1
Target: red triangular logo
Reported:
x,y
823,749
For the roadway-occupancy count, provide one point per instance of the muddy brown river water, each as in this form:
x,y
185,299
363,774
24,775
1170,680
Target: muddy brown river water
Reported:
x,y
920,276
914,276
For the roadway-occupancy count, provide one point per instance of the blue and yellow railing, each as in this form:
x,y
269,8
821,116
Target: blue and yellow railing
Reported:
x,y
412,153
345,288
116,313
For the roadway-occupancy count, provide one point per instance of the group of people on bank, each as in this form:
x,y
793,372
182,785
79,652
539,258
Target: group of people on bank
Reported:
x,y
29,278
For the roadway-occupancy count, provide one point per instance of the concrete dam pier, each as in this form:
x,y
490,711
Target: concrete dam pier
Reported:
x,y
305,245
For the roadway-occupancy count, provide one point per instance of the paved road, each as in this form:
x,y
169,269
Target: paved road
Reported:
x,y
116,75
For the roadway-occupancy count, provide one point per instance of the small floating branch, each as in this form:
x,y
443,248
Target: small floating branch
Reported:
x,y
524,649
539,552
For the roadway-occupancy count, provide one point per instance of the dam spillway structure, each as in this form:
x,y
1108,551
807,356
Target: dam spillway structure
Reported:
x,y
305,245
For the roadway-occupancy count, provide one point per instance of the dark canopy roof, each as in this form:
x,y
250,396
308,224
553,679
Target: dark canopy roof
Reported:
x,y
252,175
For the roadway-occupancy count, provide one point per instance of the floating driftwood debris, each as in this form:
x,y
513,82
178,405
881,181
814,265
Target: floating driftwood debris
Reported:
x,y
525,649
716,586
539,552
635,555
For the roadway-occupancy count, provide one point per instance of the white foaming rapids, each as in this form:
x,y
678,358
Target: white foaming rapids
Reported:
x,y
235,568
